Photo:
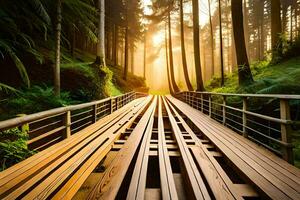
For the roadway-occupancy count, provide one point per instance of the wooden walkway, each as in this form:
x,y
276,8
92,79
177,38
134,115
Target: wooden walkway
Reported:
x,y
154,147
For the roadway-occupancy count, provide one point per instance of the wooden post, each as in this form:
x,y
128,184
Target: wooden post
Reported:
x,y
111,106
224,110
67,124
116,103
209,105
186,97
95,113
197,102
244,117
202,101
286,131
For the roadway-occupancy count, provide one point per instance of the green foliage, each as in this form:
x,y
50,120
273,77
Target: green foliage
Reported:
x,y
131,83
13,147
7,89
27,25
34,100
282,78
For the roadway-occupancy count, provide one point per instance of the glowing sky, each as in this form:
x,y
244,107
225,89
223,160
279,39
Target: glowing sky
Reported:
x,y
203,9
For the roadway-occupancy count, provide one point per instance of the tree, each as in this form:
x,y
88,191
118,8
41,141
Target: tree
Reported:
x,y
145,53
221,45
212,41
276,29
167,61
196,31
100,58
133,31
175,87
183,53
57,49
244,72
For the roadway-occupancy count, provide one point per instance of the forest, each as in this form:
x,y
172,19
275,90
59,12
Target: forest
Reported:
x,y
59,53
45,45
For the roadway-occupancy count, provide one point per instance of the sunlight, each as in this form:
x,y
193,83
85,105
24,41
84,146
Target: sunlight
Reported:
x,y
158,38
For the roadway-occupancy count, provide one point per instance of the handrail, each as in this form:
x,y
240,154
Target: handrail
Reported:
x,y
59,123
250,124
10,123
277,96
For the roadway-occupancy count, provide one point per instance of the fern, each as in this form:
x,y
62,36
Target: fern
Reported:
x,y
7,89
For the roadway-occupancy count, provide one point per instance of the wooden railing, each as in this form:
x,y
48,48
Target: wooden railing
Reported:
x,y
48,127
246,114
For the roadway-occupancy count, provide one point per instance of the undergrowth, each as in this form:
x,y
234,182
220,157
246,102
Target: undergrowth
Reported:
x,y
13,147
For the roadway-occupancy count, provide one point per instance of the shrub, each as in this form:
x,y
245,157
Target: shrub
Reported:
x,y
13,147
35,99
86,82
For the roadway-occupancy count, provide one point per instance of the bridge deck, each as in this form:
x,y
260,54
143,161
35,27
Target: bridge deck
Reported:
x,y
153,148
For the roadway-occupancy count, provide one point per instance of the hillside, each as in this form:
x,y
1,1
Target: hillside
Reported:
x,y
81,82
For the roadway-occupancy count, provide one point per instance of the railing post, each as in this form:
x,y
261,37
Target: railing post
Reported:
x,y
197,101
244,117
286,131
111,106
67,124
186,97
224,110
209,105
95,113
202,101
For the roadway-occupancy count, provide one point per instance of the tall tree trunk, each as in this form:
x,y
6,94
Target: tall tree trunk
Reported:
x,y
212,40
115,45
244,72
276,29
227,19
261,26
145,53
122,52
183,53
176,89
57,49
126,54
284,16
296,18
100,59
167,61
233,52
199,80
246,26
221,45
132,56
291,21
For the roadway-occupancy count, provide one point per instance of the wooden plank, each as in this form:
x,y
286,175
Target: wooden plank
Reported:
x,y
22,170
197,184
138,180
168,187
108,186
152,194
218,181
263,159
70,187
69,161
264,154
270,184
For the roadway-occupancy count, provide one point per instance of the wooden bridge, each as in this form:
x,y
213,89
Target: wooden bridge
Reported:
x,y
135,146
